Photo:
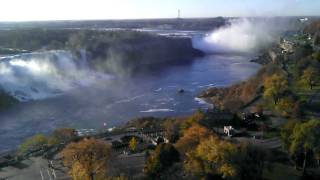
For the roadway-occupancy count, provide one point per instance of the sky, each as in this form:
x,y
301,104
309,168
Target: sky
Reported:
x,y
38,10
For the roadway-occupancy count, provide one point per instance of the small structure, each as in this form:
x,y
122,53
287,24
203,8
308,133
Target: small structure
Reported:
x,y
287,46
86,132
228,130
251,116
159,140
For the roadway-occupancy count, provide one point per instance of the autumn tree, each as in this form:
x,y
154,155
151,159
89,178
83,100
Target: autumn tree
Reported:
x,y
215,157
192,137
275,86
286,106
172,129
87,159
193,119
32,143
297,110
62,135
164,156
133,144
194,165
121,177
310,77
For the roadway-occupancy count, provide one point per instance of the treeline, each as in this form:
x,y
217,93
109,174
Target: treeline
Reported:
x,y
283,84
195,151
287,89
175,23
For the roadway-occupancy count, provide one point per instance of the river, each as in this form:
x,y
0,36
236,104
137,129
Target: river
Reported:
x,y
57,92
113,101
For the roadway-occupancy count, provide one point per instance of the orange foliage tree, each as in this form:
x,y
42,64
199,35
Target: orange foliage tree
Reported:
x,y
87,159
193,119
192,137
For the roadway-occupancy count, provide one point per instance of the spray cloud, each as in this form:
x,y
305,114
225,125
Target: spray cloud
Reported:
x,y
239,36
42,75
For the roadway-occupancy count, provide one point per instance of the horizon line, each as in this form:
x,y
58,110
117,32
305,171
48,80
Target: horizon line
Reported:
x,y
141,19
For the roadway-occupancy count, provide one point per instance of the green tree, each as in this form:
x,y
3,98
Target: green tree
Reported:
x,y
316,55
310,77
35,142
251,162
164,156
275,86
305,140
286,132
133,144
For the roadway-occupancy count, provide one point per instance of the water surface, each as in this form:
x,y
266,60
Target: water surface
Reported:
x,y
114,101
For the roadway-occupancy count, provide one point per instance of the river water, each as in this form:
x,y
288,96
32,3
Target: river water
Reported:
x,y
114,101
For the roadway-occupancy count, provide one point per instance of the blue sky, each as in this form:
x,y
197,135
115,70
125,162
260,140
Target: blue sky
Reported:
x,y
26,10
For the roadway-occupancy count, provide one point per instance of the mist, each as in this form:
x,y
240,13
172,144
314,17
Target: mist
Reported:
x,y
37,76
239,36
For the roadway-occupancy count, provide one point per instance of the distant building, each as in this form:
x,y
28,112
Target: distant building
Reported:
x,y
304,20
287,46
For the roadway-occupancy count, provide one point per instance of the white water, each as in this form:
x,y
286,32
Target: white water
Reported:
x,y
35,76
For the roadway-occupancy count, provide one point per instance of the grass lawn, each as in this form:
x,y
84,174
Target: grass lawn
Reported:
x,y
281,172
271,134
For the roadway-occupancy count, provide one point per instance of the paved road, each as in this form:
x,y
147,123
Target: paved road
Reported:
x,y
35,168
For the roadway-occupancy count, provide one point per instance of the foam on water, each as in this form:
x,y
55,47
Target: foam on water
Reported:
x,y
157,110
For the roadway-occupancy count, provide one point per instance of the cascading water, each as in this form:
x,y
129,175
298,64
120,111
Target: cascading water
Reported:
x,y
41,75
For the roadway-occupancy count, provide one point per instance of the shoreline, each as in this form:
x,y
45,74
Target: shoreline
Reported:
x,y
216,96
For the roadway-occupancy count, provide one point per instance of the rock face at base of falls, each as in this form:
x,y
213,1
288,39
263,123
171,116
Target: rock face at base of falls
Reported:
x,y
108,51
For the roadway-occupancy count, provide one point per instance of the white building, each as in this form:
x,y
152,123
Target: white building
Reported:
x,y
229,130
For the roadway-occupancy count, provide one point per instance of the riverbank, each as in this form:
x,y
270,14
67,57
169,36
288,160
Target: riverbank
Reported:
x,y
239,95
291,60
262,128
